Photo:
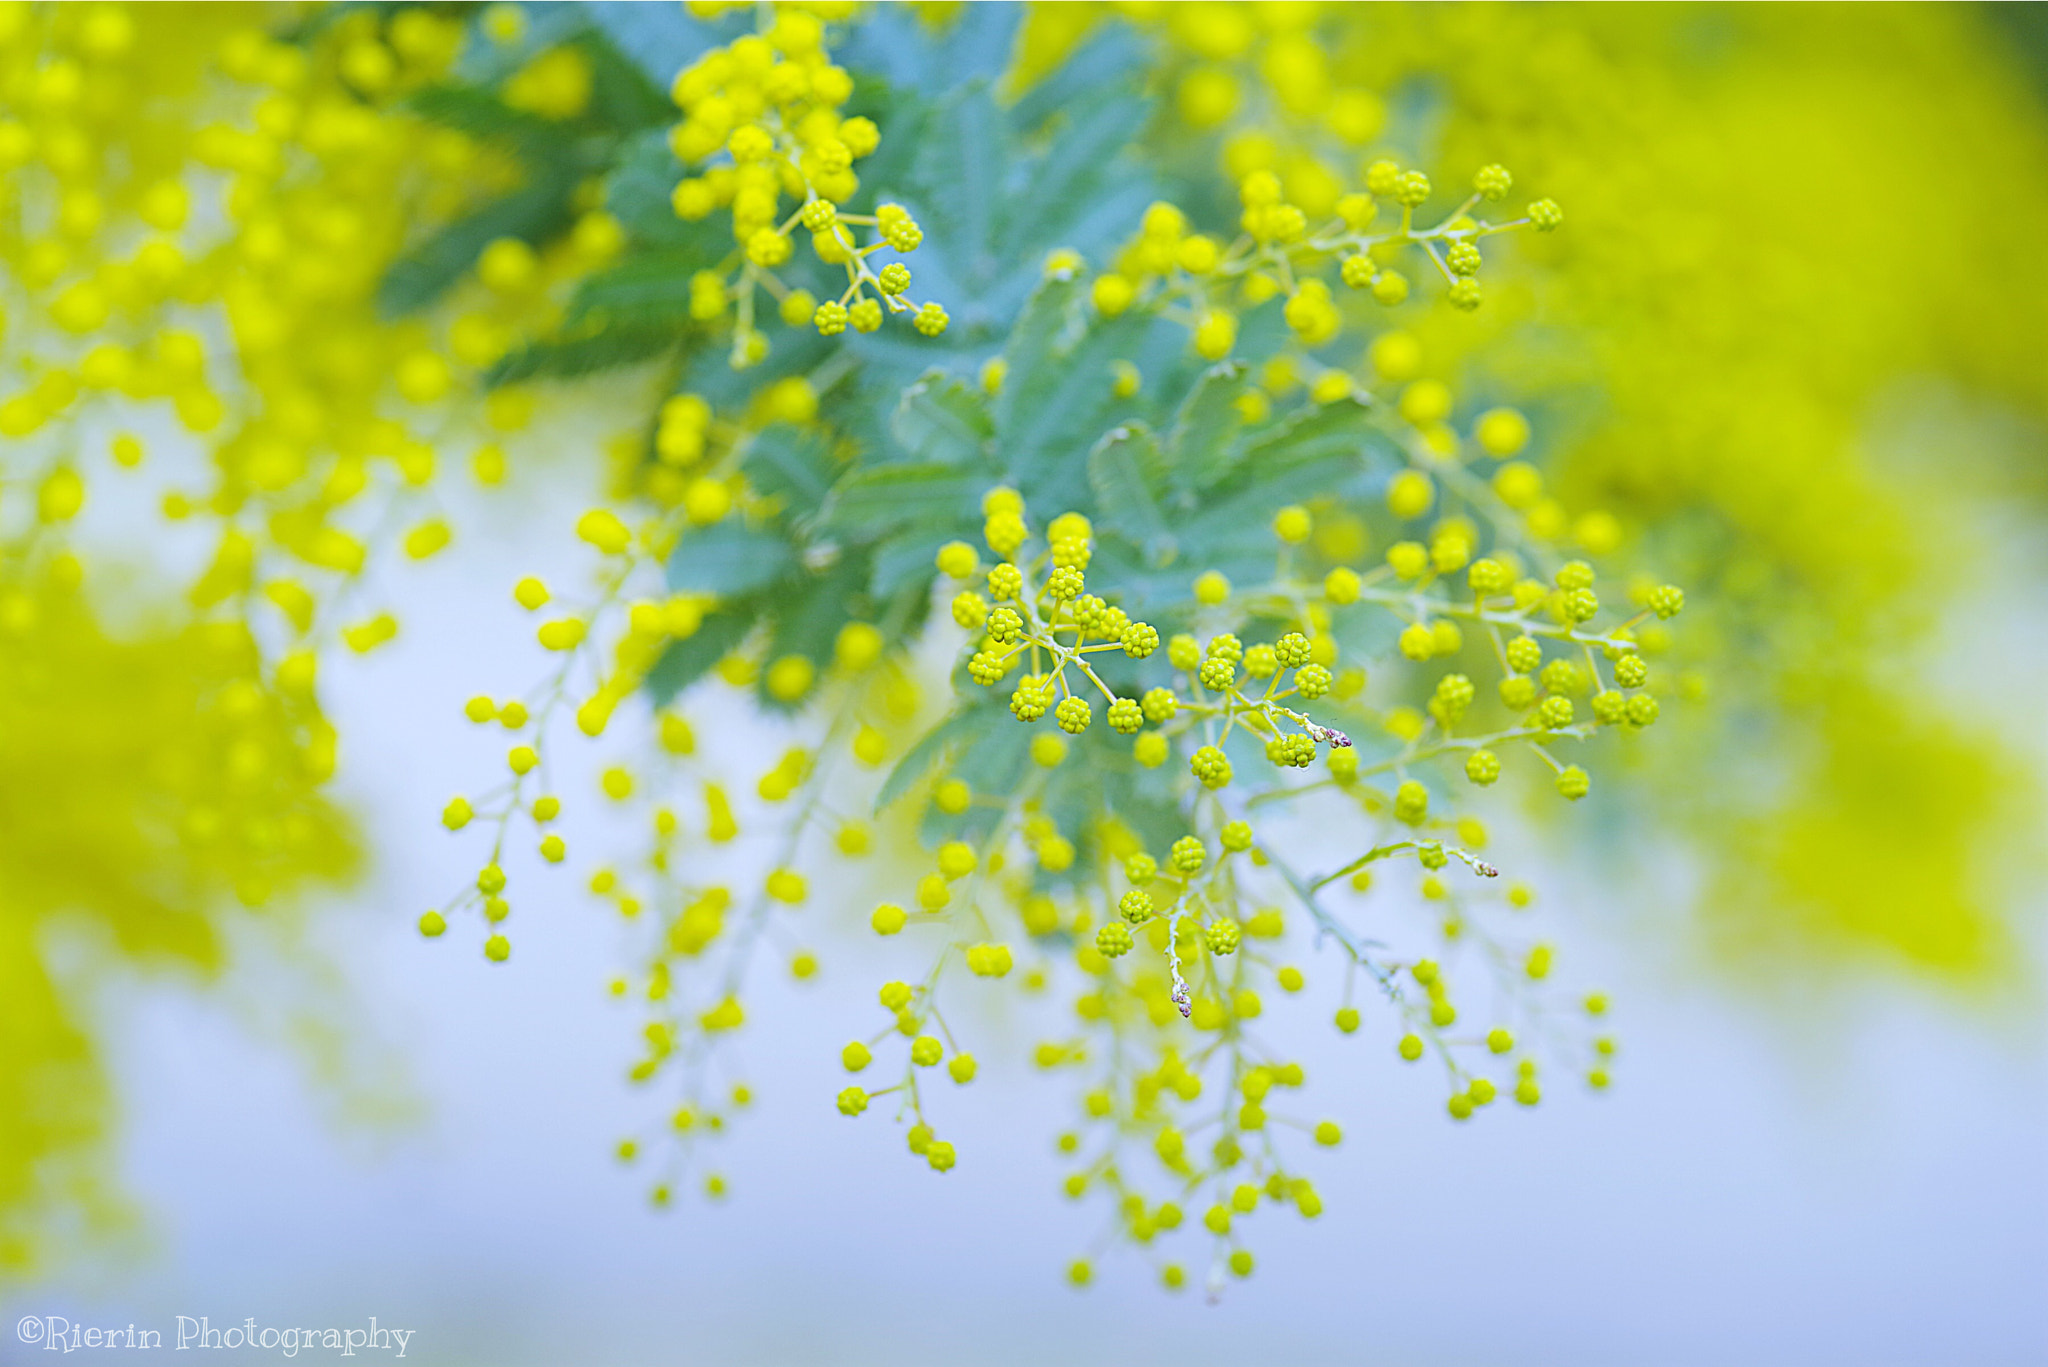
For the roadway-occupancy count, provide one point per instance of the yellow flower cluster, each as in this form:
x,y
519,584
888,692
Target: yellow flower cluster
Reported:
x,y
768,104
1202,279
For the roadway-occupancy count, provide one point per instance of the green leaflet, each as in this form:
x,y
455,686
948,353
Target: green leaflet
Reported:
x,y
1101,778
1308,452
958,169
482,115
792,466
1205,431
688,660
1077,168
534,213
994,757
1057,396
809,611
730,559
567,358
1342,429
889,496
1233,531
1030,357
646,290
1128,473
969,720
906,557
709,372
639,192
622,97
941,421
1111,58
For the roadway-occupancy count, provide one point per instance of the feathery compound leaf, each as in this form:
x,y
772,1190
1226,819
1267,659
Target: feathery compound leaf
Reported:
x,y
1083,156
905,557
689,659
1128,473
1039,379
534,213
941,421
974,44
948,736
729,559
638,194
605,349
1204,440
1340,429
887,496
792,466
623,99
959,169
1113,57
810,611
484,116
1048,317
645,291
1058,409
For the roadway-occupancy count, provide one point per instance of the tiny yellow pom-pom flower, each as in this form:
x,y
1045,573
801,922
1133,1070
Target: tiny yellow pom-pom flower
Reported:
x,y
1293,525
958,560
1113,940
1215,335
790,677
1048,751
564,633
1113,294
1502,432
427,539
1410,494
768,248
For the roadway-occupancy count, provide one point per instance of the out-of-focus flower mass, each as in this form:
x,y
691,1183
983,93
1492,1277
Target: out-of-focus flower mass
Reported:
x,y
1176,478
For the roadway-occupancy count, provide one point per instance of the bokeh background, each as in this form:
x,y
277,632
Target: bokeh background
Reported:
x,y
1800,283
